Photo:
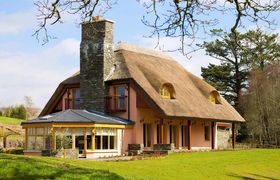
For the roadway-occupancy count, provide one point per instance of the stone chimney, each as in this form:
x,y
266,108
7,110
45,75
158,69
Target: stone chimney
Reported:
x,y
96,61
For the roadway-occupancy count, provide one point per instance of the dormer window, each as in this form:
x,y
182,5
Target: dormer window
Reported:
x,y
214,97
167,91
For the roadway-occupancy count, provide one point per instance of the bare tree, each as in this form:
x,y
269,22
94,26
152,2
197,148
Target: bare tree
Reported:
x,y
31,110
263,108
178,18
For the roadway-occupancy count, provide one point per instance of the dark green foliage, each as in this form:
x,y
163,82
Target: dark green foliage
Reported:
x,y
18,112
223,79
1,114
238,54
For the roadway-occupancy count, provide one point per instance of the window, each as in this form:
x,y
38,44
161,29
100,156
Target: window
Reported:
x,y
38,138
68,103
214,97
147,135
63,138
167,91
105,138
77,97
207,133
120,95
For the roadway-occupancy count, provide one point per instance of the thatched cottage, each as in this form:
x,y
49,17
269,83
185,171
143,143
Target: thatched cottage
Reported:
x,y
126,97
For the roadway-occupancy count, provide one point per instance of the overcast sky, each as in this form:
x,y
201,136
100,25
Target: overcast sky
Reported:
x,y
30,69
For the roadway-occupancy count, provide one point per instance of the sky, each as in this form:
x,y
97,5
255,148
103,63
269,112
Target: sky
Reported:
x,y
29,68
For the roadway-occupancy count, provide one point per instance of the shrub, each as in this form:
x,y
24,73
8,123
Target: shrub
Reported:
x,y
18,151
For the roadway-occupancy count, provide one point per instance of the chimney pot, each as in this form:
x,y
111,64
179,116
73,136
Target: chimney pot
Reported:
x,y
96,18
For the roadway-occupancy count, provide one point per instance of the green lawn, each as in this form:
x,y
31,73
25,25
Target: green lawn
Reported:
x,y
243,164
7,120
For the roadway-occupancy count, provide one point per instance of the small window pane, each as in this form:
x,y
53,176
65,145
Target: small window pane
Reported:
x,y
39,143
48,142
31,142
40,131
112,142
105,142
97,142
89,141
77,99
121,91
31,131
67,132
98,131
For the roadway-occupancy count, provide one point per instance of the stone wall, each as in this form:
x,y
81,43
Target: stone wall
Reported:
x,y
67,153
163,147
223,137
96,62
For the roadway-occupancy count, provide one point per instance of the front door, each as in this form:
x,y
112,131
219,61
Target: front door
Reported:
x,y
185,135
147,135
80,145
173,134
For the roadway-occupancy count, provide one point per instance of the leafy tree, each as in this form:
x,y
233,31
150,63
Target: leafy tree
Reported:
x,y
18,112
1,114
177,18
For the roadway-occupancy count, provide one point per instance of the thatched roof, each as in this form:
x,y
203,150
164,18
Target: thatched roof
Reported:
x,y
151,69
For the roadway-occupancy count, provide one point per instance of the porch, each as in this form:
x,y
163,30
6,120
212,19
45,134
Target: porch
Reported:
x,y
183,134
76,132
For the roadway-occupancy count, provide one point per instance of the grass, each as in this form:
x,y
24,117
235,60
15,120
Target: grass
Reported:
x,y
7,120
243,164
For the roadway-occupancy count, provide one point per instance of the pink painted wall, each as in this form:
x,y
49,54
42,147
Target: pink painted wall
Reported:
x,y
147,115
198,139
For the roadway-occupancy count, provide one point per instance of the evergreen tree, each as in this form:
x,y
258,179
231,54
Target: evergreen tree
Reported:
x,y
238,54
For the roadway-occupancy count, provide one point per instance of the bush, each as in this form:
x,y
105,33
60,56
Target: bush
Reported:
x,y
18,151
1,113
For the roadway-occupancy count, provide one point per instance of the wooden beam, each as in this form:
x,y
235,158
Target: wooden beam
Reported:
x,y
212,135
85,142
53,139
73,138
93,139
233,135
189,134
42,125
